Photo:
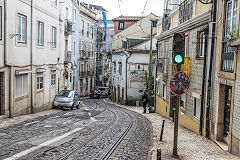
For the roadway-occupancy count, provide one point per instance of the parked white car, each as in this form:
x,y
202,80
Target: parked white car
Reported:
x,y
66,98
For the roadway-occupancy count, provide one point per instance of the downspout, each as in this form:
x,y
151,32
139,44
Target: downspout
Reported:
x,y
203,87
5,61
155,77
31,59
126,78
209,87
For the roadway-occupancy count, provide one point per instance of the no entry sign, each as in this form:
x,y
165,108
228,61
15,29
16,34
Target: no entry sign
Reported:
x,y
179,83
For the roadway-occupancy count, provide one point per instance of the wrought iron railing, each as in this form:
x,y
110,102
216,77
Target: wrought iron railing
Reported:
x,y
227,58
68,27
185,11
68,55
82,74
166,23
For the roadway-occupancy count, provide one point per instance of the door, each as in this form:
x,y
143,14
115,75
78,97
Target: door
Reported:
x,y
227,110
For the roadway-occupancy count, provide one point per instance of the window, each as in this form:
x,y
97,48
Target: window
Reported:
x,y
186,46
183,100
154,23
40,36
53,79
54,2
83,27
231,18
164,91
114,67
1,23
39,82
159,50
22,28
21,85
120,68
88,29
75,15
92,31
121,26
202,42
74,49
82,68
66,13
91,66
54,37
197,105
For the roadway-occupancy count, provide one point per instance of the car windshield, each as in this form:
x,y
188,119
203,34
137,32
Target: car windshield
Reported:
x,y
65,93
102,89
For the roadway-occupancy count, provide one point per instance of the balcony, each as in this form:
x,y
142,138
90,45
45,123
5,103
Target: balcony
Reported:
x,y
227,64
82,74
68,55
185,9
166,23
68,27
82,54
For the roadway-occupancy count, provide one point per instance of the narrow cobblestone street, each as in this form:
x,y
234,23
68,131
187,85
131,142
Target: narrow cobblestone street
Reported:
x,y
87,133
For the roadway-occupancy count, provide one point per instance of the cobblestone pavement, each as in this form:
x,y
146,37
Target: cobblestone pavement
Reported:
x,y
92,129
190,145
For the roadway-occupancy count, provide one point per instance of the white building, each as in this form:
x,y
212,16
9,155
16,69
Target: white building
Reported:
x,y
32,63
87,57
130,60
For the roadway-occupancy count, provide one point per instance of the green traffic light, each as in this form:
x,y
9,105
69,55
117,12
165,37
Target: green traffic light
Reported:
x,y
178,59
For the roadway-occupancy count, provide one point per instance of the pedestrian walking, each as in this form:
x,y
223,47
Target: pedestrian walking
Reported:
x,y
109,95
145,100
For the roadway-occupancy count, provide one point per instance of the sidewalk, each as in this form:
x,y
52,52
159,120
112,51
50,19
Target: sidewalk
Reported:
x,y
190,145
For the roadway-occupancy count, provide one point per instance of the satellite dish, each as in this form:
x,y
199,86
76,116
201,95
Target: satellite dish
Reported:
x,y
205,1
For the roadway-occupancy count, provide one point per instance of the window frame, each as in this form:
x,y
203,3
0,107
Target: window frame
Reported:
x,y
202,40
39,32
54,37
53,79
22,86
121,27
39,88
164,91
226,34
20,38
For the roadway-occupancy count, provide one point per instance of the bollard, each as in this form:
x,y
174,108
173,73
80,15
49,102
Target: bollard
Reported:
x,y
159,154
162,130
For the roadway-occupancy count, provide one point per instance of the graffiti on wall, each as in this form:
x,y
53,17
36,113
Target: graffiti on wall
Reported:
x,y
138,76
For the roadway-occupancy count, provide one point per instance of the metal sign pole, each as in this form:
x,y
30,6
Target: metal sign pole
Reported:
x,y
176,114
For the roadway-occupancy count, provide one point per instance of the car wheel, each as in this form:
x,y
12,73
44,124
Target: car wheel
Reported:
x,y
78,106
72,107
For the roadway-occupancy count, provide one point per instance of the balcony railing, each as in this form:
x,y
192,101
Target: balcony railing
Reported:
x,y
68,55
82,74
82,54
165,23
227,58
185,10
68,27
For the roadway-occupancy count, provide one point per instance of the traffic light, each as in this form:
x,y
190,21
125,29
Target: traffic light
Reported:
x,y
178,48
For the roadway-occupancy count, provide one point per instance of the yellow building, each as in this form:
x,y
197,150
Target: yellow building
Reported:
x,y
191,18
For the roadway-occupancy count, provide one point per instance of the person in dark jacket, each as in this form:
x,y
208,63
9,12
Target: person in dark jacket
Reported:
x,y
145,100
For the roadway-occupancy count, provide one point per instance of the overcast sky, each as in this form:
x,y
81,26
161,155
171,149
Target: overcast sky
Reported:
x,y
129,7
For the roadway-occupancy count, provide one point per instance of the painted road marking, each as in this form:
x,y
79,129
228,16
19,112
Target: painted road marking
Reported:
x,y
27,151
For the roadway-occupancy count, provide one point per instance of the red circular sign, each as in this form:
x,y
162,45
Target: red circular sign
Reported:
x,y
179,83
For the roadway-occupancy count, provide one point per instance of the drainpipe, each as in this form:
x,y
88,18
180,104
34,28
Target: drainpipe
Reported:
x,y
5,61
31,59
203,86
126,78
209,87
155,82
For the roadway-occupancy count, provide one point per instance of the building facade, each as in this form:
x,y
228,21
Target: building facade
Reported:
x,y
130,60
87,48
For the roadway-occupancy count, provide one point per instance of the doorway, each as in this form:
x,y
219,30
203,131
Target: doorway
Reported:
x,y
227,110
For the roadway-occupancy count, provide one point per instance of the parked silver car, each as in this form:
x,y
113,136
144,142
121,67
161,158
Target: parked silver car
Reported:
x,y
66,98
